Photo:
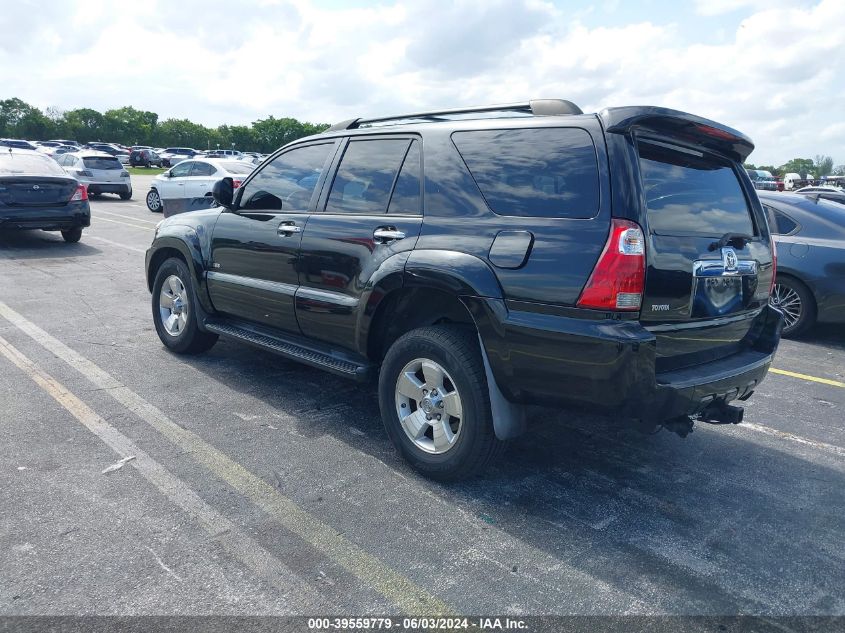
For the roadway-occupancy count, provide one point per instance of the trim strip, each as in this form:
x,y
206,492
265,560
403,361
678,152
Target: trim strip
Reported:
x,y
326,296
252,282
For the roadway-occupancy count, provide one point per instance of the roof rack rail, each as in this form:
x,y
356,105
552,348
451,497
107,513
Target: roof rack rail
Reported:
x,y
536,107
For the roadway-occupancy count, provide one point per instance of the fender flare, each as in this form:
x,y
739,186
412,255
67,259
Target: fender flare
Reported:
x,y
187,242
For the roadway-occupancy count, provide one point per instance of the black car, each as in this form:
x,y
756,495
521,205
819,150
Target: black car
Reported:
x,y
144,158
834,194
480,260
35,193
810,238
17,144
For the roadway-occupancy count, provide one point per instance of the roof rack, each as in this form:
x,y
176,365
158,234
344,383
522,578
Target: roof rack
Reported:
x,y
536,107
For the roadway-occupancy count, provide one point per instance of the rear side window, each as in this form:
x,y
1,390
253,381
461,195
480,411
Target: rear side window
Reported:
x,y
203,169
366,175
780,224
101,163
538,172
688,193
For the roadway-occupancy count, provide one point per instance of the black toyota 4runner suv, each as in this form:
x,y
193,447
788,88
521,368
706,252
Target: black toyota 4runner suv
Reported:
x,y
479,260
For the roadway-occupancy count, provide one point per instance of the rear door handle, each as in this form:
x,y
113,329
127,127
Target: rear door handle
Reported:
x,y
385,234
289,228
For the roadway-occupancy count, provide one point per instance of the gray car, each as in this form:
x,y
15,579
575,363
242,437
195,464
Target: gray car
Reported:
x,y
810,238
100,172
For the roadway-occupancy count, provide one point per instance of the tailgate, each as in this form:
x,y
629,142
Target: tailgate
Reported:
x,y
709,260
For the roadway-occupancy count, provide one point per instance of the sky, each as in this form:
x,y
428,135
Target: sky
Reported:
x,y
774,70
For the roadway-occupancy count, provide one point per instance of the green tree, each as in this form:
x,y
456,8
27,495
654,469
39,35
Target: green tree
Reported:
x,y
802,166
129,126
823,165
18,119
83,125
839,171
775,171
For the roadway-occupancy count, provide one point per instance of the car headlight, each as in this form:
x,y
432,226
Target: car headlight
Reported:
x,y
158,226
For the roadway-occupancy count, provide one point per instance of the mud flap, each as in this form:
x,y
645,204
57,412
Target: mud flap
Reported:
x,y
508,417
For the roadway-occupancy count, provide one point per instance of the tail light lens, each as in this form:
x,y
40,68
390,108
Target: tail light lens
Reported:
x,y
774,263
80,194
124,174
618,278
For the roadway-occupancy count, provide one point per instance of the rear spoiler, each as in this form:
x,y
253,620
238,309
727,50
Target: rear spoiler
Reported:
x,y
680,126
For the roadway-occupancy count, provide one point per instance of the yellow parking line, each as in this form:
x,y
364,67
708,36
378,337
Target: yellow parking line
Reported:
x,y
134,226
793,374
374,573
223,531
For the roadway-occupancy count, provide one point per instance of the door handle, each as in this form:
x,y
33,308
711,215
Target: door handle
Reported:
x,y
289,228
385,234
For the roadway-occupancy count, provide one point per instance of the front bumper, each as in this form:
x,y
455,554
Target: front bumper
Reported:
x,y
609,365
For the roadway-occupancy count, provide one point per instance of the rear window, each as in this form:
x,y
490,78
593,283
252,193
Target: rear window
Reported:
x,y
13,164
235,167
538,172
101,163
688,193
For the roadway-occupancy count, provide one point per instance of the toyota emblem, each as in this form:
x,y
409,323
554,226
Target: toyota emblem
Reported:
x,y
729,259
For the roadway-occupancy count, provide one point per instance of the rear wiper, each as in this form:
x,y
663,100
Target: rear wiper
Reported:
x,y
737,240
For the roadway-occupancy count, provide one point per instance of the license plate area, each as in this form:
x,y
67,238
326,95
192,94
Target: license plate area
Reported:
x,y
719,289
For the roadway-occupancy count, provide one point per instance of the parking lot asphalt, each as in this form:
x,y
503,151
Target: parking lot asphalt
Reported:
x,y
260,486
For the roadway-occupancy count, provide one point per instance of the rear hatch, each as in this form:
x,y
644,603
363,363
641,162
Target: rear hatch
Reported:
x,y
709,260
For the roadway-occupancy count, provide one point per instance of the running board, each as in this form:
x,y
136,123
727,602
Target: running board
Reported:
x,y
327,359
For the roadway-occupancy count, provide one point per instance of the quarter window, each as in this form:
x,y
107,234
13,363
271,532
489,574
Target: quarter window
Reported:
x,y
287,182
538,172
366,175
406,196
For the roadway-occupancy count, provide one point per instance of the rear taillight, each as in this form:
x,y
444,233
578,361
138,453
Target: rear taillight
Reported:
x,y
80,194
124,174
618,278
774,263
236,183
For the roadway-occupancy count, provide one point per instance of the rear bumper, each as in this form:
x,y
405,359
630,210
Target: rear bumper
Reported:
x,y
61,218
609,365
108,187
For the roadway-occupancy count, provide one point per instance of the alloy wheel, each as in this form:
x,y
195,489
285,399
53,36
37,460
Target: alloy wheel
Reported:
x,y
173,305
429,406
788,302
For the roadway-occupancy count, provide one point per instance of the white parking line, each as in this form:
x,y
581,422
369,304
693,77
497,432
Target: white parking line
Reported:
x,y
126,246
134,226
374,573
767,430
299,596
127,217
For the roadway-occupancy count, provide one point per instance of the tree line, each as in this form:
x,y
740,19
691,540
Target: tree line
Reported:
x,y
129,126
819,166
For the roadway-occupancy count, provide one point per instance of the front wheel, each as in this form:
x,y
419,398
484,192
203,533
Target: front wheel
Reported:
x,y
435,404
795,302
153,201
175,311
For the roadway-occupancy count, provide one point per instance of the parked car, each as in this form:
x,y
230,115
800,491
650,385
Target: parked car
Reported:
x,y
35,193
173,155
17,144
144,158
518,278
834,194
224,153
114,150
100,172
810,238
65,142
762,179
56,150
188,185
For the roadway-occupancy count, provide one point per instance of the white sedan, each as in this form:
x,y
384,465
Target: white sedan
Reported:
x,y
191,179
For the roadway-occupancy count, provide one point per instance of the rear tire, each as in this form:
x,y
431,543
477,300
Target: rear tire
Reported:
x,y
439,370
126,195
796,303
175,310
72,236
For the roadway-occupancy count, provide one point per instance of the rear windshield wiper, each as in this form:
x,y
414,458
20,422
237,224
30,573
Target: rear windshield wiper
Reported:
x,y
737,240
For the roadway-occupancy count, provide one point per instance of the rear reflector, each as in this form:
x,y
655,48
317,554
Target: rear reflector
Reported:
x,y
81,193
618,278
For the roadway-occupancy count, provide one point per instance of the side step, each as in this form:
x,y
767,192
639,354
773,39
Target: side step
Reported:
x,y
295,349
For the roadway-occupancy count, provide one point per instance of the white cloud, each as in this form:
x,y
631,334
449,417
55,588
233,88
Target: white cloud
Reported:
x,y
776,75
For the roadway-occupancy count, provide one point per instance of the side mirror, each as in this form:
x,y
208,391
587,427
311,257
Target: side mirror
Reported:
x,y
223,193
167,174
